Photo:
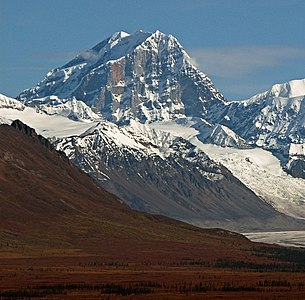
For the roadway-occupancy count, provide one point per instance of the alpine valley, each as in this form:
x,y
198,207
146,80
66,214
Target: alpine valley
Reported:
x,y
136,115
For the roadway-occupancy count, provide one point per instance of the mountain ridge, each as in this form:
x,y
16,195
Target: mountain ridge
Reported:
x,y
47,203
273,120
148,82
146,78
62,236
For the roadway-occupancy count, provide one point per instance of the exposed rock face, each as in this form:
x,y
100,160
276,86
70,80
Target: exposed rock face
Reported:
x,y
296,167
36,137
142,76
147,77
161,174
25,129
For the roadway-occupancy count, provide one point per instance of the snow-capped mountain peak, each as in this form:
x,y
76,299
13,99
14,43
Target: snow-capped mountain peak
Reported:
x,y
143,76
273,120
134,112
290,89
117,36
7,102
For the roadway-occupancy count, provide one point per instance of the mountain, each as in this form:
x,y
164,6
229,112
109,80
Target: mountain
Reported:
x,y
142,76
47,204
136,91
273,120
157,171
64,237
163,174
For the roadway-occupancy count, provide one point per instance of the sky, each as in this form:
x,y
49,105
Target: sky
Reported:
x,y
244,46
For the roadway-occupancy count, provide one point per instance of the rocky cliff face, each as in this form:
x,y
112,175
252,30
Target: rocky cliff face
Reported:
x,y
37,138
162,174
144,76
273,120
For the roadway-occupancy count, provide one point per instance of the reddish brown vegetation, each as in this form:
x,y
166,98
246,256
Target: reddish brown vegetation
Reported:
x,y
92,277
61,236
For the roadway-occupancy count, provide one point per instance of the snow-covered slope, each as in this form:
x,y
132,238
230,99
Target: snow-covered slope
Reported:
x,y
207,133
261,171
258,169
271,119
290,89
51,126
7,102
158,172
144,76
70,108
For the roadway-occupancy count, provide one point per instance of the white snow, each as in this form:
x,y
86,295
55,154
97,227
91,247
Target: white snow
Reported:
x,y
258,157
181,127
188,128
7,102
70,108
121,44
284,238
46,125
297,149
290,89
137,138
256,168
261,172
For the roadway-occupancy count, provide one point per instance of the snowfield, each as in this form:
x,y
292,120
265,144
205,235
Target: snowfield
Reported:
x,y
284,238
46,125
256,168
261,172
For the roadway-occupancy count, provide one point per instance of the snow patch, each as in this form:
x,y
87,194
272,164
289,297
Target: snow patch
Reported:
x,y
284,238
261,172
46,125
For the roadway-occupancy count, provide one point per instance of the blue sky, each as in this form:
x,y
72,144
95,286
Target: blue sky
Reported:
x,y
245,46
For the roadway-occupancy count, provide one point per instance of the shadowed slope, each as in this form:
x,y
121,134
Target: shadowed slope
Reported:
x,y
63,237
47,203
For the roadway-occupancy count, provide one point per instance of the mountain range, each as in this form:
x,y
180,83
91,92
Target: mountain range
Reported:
x,y
48,206
136,115
64,237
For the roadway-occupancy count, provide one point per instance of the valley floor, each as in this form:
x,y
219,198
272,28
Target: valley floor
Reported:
x,y
92,277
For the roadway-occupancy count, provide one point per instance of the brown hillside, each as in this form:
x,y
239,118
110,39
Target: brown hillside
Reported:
x,y
63,237
46,203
